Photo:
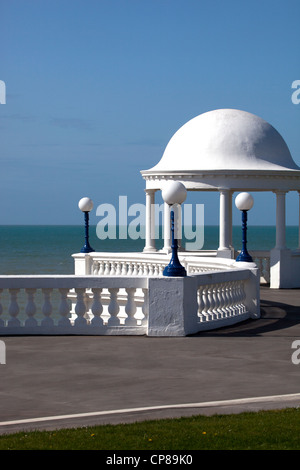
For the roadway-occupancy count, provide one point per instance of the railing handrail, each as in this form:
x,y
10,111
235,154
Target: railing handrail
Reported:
x,y
222,276
188,259
93,304
70,281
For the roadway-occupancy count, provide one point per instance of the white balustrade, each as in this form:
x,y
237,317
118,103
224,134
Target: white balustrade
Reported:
x,y
99,305
30,307
143,264
222,303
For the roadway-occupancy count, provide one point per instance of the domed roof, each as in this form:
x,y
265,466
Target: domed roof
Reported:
x,y
226,139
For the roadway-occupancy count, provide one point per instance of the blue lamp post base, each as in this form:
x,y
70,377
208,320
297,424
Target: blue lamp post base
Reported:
x,y
244,255
174,268
86,248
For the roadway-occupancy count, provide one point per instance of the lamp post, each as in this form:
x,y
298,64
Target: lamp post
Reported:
x,y
244,202
174,193
86,205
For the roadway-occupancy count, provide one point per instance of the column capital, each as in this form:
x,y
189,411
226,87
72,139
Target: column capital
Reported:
x,y
280,219
150,220
150,190
280,191
224,190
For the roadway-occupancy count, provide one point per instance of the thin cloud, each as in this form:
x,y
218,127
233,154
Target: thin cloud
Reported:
x,y
72,123
17,117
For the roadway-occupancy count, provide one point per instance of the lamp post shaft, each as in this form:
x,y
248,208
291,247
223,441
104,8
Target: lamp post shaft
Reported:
x,y
174,268
86,248
244,255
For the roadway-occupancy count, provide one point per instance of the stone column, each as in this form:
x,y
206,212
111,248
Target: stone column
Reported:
x,y
299,224
280,220
150,221
230,220
281,271
167,228
225,223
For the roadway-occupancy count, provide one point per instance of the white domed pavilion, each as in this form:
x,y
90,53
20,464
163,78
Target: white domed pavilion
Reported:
x,y
225,150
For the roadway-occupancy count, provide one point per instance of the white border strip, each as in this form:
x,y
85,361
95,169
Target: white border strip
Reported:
x,y
207,404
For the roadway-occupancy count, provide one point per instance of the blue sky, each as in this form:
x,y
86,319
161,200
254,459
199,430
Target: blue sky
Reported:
x,y
96,88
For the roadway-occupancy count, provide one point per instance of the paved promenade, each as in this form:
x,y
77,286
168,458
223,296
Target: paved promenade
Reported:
x,y
51,382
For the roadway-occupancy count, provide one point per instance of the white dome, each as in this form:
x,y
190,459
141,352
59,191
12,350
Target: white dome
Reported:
x,y
226,139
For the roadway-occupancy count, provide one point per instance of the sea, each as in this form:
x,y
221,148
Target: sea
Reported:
x,y
48,249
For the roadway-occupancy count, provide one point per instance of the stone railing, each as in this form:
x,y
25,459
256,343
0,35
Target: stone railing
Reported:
x,y
231,297
59,305
262,260
143,264
98,305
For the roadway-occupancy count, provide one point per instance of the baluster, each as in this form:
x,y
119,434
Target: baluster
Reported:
x,y
101,268
239,296
130,307
135,269
2,323
214,302
124,269
107,268
243,296
156,270
113,268
232,299
96,266
150,269
80,307
30,308
226,310
140,270
130,269
13,308
206,305
219,301
201,305
113,308
235,298
119,270
236,295
47,308
228,299
145,269
210,302
97,308
64,308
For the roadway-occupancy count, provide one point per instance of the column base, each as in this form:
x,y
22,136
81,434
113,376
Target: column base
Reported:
x,y
225,253
245,264
149,249
281,269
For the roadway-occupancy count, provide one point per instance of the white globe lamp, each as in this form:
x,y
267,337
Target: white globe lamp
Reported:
x,y
244,202
174,192
86,205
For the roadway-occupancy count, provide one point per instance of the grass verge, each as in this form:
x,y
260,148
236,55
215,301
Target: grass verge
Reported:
x,y
265,430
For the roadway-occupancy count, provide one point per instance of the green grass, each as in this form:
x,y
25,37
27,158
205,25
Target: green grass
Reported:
x,y
266,430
